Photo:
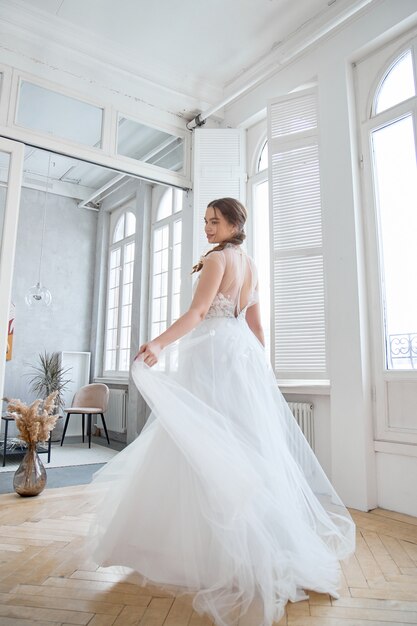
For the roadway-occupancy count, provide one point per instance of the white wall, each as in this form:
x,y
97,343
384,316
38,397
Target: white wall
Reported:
x,y
353,470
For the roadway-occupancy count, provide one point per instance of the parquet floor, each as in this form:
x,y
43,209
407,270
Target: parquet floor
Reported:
x,y
47,577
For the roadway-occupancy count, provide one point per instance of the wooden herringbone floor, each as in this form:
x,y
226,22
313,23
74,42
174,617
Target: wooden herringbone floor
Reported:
x,y
47,577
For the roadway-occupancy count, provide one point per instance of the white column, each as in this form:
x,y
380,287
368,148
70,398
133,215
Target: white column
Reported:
x,y
353,456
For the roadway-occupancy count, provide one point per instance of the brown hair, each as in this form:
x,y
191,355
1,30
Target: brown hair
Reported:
x,y
236,214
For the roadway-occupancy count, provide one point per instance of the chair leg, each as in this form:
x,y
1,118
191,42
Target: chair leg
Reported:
x,y
105,427
83,421
65,428
6,428
89,429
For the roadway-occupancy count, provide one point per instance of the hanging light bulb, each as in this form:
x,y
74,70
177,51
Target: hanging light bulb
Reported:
x,y
38,295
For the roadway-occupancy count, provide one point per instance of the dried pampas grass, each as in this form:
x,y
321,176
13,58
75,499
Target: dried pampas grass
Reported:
x,y
34,421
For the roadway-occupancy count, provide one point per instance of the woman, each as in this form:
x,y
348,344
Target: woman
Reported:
x,y
221,495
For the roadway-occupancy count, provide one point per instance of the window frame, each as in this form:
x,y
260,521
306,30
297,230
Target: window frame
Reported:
x,y
165,129
105,155
115,217
47,86
384,381
373,123
155,225
383,73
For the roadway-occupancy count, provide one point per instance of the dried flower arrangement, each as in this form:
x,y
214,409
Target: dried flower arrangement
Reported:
x,y
34,421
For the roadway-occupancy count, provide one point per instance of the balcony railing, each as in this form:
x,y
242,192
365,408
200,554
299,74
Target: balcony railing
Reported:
x,y
402,348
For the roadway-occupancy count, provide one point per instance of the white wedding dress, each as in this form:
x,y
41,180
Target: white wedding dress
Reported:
x,y
221,494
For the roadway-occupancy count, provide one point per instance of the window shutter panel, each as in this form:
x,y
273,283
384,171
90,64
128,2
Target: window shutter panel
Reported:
x,y
219,171
298,329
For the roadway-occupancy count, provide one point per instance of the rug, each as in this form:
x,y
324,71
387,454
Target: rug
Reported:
x,y
65,456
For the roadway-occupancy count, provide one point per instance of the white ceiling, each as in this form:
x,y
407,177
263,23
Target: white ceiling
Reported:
x,y
214,41
177,44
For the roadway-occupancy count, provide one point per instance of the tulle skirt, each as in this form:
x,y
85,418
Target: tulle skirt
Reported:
x,y
221,495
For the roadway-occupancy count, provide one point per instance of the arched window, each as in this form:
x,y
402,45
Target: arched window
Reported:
x,y
125,227
166,262
396,85
119,293
393,161
171,202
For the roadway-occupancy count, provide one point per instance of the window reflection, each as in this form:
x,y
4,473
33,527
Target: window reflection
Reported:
x,y
56,114
149,145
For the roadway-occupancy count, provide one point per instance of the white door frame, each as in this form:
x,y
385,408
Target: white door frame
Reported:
x,y
8,243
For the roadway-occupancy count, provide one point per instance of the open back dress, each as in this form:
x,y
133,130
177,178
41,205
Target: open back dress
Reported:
x,y
221,495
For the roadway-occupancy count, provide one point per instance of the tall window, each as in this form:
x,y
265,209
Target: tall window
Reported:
x,y
261,245
393,143
119,294
166,262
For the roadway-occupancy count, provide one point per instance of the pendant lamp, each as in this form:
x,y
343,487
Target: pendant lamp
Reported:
x,y
39,296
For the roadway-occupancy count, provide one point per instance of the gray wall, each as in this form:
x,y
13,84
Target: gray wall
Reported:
x,y
67,271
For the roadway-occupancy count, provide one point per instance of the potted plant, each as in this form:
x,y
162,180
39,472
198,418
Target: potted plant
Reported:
x,y
47,377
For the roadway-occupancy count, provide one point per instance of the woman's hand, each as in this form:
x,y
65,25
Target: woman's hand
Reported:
x,y
149,352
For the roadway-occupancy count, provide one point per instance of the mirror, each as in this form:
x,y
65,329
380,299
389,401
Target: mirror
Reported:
x,y
78,230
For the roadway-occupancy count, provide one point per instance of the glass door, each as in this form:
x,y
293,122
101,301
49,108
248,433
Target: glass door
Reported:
x,y
11,163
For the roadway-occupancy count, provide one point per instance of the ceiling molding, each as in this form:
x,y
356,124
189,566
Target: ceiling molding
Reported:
x,y
195,95
329,22
39,26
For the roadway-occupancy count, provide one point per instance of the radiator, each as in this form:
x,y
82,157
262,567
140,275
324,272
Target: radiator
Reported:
x,y
304,414
116,413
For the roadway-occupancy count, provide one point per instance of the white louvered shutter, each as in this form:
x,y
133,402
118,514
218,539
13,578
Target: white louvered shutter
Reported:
x,y
219,171
298,329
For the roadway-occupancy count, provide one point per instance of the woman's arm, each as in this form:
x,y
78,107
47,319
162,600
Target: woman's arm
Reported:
x,y
253,318
208,285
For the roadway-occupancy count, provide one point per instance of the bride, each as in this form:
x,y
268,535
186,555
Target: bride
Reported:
x,y
221,495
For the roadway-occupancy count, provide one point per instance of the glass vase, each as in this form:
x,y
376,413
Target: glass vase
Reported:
x,y
30,476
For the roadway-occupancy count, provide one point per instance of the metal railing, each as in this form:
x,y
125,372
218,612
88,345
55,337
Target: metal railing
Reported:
x,y
402,347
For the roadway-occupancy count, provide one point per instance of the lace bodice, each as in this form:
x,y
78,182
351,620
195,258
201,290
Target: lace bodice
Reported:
x,y
234,263
222,306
